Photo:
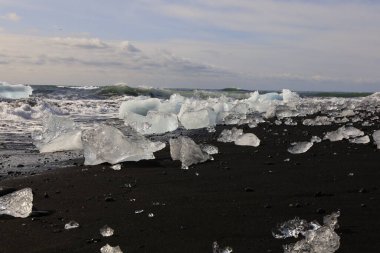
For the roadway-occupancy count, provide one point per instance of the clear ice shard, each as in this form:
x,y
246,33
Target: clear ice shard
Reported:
x,y
116,167
376,138
106,231
230,135
209,149
58,133
300,147
71,225
109,249
217,249
105,143
187,151
17,204
361,140
248,139
343,133
318,239
198,119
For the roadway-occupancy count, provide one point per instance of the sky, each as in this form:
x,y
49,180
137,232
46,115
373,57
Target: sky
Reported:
x,y
316,45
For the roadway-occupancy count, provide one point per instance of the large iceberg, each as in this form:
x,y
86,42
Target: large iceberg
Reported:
x,y
187,151
105,143
18,203
15,91
59,133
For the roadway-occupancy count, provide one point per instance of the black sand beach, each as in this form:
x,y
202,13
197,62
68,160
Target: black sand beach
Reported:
x,y
236,200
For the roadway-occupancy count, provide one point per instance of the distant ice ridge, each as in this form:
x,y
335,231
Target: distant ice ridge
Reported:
x,y
104,143
318,238
15,91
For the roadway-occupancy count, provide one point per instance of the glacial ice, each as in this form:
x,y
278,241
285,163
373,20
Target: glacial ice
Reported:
x,y
59,133
17,204
187,151
343,133
318,239
230,135
71,225
104,143
300,147
106,231
315,139
198,119
376,138
209,149
217,249
248,139
116,167
109,249
361,140
139,106
15,91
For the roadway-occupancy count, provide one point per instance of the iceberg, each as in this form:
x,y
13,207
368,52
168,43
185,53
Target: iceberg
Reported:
x,y
105,143
59,133
248,139
230,135
187,151
138,106
153,123
300,147
17,204
343,133
15,91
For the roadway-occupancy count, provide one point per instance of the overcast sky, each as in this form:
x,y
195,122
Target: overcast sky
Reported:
x,y
255,44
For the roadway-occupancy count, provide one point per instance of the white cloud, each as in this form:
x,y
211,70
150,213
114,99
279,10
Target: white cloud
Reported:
x,y
11,16
88,43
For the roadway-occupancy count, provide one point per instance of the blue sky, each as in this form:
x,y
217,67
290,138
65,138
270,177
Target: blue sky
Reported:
x,y
255,44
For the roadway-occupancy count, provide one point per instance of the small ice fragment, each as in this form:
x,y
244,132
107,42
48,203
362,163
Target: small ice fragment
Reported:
x,y
151,215
315,139
376,138
17,204
139,211
350,174
248,139
196,173
300,147
230,135
287,160
293,228
109,249
216,248
187,151
116,167
209,149
71,225
361,140
106,231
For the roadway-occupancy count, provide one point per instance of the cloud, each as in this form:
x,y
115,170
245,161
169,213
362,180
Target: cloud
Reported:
x,y
88,43
11,16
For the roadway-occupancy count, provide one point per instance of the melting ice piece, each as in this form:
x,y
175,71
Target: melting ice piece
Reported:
x,y
105,143
116,167
15,91
230,135
17,204
248,139
59,133
361,140
198,119
318,239
315,139
71,225
376,138
216,248
187,151
106,231
209,149
343,133
300,147
293,228
109,249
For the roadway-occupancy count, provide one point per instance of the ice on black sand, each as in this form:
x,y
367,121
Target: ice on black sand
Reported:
x,y
106,231
71,225
17,204
109,249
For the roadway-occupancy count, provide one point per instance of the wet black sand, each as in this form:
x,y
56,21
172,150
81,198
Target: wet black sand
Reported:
x,y
236,199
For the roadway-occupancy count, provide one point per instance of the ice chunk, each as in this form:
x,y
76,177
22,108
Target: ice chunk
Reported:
x,y
198,119
361,140
248,139
59,133
318,121
138,106
343,133
230,135
15,91
109,249
71,225
315,139
106,231
116,167
105,143
209,149
318,239
187,151
300,147
376,138
153,122
17,204
216,248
